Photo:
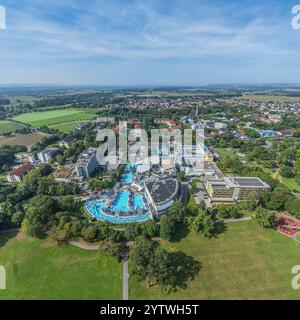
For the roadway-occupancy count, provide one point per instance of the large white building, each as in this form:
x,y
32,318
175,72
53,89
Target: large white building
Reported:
x,y
233,189
86,163
47,154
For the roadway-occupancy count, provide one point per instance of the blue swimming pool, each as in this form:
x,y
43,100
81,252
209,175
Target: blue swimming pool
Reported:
x,y
138,202
127,178
95,209
121,202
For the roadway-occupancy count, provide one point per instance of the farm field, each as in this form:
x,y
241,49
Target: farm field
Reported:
x,y
40,269
264,98
243,262
52,117
27,140
8,126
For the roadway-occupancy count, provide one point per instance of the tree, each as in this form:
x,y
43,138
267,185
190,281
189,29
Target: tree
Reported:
x,y
293,206
150,229
17,218
167,227
132,231
39,214
278,198
90,233
177,211
203,224
264,218
157,266
119,250
141,254
287,172
228,211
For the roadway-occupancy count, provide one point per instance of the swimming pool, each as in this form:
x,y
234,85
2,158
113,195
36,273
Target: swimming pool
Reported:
x,y
95,209
121,202
138,202
127,178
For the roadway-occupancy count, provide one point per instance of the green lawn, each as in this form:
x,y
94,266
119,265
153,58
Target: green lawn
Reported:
x,y
66,128
38,119
243,262
291,184
8,126
39,269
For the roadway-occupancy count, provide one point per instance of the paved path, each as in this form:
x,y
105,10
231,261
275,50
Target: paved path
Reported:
x,y
84,245
125,278
234,220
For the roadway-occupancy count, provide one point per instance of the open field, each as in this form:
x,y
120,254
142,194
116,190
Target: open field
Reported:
x,y
38,119
39,269
27,140
264,98
243,262
65,127
8,126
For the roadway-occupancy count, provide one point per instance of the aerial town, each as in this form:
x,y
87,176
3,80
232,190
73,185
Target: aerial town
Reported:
x,y
56,186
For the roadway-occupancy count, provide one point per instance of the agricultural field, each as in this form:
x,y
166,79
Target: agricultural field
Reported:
x,y
40,269
27,140
8,126
266,98
47,118
244,261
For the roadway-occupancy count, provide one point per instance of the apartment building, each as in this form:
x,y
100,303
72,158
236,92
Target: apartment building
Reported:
x,y
233,189
86,163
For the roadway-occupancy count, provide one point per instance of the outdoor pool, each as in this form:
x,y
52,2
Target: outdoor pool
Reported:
x,y
121,202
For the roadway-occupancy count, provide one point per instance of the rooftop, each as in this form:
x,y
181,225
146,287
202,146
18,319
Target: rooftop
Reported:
x,y
23,169
162,190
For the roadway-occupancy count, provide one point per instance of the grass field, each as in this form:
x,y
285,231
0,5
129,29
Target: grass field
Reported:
x,y
66,127
275,98
243,262
27,140
38,119
8,126
39,269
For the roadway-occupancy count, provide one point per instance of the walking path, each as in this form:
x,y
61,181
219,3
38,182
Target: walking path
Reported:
x,y
234,219
84,246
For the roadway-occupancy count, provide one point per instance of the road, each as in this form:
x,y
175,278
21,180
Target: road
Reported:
x,y
125,278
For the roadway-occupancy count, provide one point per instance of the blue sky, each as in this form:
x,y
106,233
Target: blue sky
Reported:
x,y
149,42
